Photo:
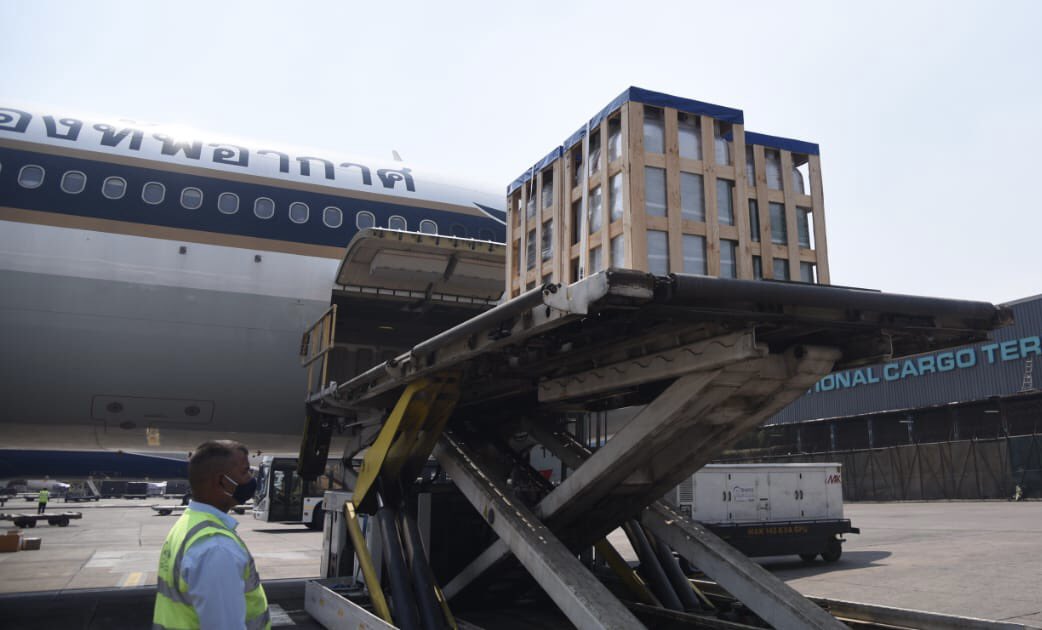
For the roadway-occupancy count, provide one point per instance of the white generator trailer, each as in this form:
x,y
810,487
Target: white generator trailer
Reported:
x,y
769,509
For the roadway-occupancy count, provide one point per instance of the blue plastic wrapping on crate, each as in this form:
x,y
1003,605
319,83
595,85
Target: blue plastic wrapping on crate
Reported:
x,y
777,142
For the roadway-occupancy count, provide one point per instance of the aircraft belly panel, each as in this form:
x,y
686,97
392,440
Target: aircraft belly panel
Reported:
x,y
106,361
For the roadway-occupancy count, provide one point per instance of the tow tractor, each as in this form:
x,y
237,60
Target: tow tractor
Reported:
x,y
431,365
61,519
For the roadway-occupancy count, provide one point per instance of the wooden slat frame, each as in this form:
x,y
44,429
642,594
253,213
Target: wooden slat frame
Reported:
x,y
571,194
709,167
818,212
673,210
792,234
633,120
627,189
741,205
601,179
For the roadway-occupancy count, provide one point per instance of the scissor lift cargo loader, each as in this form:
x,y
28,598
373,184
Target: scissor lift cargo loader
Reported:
x,y
707,359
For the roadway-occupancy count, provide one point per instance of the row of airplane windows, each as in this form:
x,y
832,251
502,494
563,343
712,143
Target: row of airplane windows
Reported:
x,y
75,182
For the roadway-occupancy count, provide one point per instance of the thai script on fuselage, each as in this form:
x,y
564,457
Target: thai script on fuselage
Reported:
x,y
936,363
118,137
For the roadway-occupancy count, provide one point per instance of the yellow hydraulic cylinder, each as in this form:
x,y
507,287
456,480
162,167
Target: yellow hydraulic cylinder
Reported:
x,y
366,562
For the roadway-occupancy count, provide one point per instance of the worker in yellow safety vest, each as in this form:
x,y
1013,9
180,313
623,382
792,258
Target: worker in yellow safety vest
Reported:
x,y
42,499
207,577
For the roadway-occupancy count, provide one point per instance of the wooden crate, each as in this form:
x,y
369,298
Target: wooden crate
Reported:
x,y
789,210
656,183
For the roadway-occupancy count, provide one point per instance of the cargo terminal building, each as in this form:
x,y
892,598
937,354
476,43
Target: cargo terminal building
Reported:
x,y
962,423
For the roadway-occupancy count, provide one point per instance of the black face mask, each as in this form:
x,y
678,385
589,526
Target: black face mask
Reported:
x,y
243,491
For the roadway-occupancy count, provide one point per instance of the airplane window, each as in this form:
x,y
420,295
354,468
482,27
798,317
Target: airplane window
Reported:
x,y
332,217
264,208
428,227
458,230
365,220
396,222
153,193
298,212
228,203
114,187
486,235
191,198
31,176
73,182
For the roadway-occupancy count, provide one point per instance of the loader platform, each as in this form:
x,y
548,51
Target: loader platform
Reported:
x,y
703,359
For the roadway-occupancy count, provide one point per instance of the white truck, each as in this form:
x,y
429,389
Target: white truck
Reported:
x,y
769,509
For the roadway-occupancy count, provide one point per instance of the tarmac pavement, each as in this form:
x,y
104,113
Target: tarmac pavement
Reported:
x,y
978,559
117,543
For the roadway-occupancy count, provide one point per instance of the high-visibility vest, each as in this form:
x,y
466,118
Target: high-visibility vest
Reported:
x,y
173,608
44,495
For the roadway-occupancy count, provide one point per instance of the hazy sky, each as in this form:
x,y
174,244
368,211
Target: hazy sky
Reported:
x,y
929,114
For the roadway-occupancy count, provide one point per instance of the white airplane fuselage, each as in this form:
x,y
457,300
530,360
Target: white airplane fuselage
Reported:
x,y
154,289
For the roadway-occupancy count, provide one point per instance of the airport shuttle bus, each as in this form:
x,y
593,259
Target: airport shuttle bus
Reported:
x,y
283,496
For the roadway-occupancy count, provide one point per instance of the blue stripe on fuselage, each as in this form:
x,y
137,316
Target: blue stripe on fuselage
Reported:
x,y
90,203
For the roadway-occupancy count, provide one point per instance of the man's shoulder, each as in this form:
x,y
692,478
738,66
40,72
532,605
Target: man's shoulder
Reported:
x,y
217,547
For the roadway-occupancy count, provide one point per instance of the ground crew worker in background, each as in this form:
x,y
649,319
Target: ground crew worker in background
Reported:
x,y
207,577
42,500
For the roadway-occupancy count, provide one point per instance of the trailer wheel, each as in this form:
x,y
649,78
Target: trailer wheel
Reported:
x,y
24,522
63,522
808,557
164,512
833,550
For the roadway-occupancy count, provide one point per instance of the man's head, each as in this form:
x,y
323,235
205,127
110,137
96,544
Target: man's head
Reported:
x,y
216,469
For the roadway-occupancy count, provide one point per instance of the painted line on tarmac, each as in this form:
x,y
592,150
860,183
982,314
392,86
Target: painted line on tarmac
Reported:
x,y
134,578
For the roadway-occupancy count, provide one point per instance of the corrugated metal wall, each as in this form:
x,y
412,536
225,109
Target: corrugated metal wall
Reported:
x,y
994,368
967,469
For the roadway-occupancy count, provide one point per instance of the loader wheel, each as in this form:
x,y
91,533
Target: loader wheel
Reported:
x,y
833,550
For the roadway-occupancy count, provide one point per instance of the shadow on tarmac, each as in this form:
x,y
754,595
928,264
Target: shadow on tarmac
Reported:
x,y
849,560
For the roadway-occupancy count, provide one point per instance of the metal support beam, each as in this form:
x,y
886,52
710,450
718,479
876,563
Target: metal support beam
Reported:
x,y
774,601
712,408
633,446
497,552
580,596
605,470
699,356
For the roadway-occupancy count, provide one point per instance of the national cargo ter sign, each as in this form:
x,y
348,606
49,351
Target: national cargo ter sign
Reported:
x,y
935,363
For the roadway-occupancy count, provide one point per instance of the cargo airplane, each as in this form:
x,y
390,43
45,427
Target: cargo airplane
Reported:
x,y
154,285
